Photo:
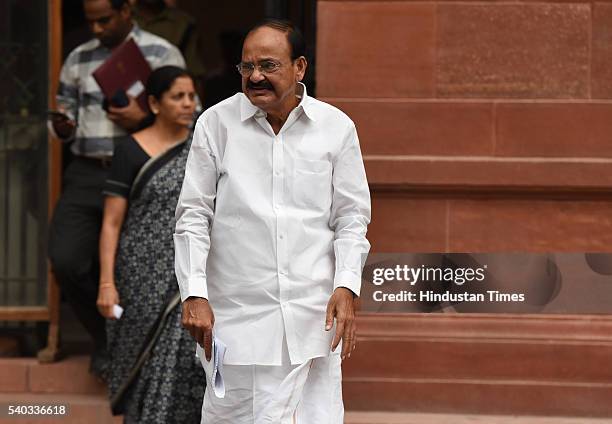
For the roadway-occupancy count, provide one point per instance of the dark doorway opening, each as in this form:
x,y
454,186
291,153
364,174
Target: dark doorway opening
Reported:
x,y
220,26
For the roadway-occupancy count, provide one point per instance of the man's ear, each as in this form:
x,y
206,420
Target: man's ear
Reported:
x,y
301,65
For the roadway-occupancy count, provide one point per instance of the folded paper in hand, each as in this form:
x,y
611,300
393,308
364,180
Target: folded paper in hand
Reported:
x,y
214,367
117,311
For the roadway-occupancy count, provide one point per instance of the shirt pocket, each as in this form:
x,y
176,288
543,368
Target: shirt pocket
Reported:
x,y
312,181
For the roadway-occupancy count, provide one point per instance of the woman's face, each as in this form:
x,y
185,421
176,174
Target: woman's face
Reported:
x,y
177,105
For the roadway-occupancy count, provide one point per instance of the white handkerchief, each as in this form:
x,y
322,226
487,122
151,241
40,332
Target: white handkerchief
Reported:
x,y
117,311
214,367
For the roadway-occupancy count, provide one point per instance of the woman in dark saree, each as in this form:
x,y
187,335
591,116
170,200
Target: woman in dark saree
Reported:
x,y
154,375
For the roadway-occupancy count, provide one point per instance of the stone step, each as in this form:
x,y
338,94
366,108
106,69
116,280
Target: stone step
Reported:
x,y
70,375
502,397
505,365
484,358
352,417
535,377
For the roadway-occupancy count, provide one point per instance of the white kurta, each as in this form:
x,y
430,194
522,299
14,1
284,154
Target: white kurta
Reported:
x,y
268,225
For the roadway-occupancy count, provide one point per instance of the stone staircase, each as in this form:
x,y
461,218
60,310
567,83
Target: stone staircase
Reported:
x,y
67,382
497,365
406,371
26,382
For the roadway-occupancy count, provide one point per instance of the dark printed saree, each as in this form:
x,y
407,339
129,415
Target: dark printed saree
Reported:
x,y
154,377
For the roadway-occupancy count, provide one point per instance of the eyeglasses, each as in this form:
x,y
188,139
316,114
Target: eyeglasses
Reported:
x,y
265,67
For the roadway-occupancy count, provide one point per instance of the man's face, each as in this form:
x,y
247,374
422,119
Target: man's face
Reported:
x,y
108,25
274,88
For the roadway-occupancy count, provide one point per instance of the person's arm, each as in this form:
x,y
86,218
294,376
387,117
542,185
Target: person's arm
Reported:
x,y
67,100
115,208
128,117
194,215
349,219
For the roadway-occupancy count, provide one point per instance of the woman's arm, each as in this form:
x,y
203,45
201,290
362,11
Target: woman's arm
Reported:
x,y
115,208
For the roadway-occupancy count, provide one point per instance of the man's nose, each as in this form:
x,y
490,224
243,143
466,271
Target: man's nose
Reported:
x,y
96,28
256,76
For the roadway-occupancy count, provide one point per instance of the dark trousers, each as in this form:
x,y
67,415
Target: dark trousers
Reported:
x,y
73,242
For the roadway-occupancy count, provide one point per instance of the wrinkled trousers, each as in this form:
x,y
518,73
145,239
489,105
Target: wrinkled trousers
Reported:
x,y
309,393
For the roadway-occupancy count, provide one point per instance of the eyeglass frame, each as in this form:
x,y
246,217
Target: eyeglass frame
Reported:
x,y
258,66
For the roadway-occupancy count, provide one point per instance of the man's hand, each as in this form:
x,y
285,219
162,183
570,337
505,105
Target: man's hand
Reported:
x,y
341,307
127,117
64,127
198,319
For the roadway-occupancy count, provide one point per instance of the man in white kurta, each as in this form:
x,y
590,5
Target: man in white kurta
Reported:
x,y
270,239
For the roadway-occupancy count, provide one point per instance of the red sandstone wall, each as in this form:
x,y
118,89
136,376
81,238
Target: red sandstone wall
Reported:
x,y
485,126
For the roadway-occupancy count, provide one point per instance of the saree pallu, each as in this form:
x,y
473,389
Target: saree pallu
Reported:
x,y
154,376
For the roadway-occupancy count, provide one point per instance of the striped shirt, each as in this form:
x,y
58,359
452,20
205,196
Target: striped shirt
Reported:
x,y
80,95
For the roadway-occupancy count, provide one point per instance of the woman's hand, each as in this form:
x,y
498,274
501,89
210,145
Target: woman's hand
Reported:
x,y
107,298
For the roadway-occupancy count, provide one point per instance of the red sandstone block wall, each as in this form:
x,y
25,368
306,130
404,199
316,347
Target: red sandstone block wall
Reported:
x,y
485,126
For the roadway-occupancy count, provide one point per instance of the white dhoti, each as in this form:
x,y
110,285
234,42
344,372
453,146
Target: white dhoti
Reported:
x,y
309,393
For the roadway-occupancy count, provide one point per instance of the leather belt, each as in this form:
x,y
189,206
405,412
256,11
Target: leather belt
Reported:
x,y
101,162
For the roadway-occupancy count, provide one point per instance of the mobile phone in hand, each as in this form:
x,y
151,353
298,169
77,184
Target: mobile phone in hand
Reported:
x,y
63,125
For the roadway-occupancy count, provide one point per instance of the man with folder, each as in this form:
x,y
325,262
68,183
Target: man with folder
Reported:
x,y
92,132
270,241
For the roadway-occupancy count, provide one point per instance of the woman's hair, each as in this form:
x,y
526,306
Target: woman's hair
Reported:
x,y
160,81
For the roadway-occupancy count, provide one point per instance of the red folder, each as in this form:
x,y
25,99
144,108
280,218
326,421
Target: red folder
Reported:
x,y
126,69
